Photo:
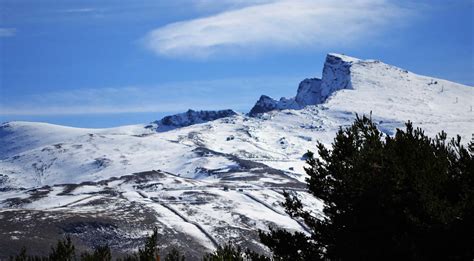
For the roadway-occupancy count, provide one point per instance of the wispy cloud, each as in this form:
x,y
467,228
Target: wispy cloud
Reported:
x,y
78,10
7,32
169,97
277,24
226,4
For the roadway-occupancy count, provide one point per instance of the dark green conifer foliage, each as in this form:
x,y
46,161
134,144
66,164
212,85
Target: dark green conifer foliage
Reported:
x,y
22,256
64,251
253,256
289,246
406,197
174,255
101,253
231,252
150,251
228,252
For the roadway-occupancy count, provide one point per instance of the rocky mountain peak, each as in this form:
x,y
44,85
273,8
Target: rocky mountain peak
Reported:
x,y
336,76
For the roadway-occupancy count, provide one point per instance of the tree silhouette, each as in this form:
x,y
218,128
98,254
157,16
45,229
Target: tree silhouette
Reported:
x,y
406,197
64,251
101,253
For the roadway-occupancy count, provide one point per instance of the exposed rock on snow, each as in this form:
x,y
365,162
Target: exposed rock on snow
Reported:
x,y
264,104
36,154
190,118
336,76
308,92
200,153
348,86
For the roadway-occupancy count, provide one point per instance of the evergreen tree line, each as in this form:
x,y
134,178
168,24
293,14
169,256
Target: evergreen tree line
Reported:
x,y
400,197
66,251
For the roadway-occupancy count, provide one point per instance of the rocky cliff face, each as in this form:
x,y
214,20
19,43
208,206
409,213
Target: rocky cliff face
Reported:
x,y
309,92
190,117
114,171
336,76
263,104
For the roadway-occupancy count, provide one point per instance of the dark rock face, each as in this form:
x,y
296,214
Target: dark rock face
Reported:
x,y
309,92
264,104
192,117
336,76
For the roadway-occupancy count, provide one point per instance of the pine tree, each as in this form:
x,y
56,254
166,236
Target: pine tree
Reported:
x,y
150,252
22,256
406,197
101,253
228,252
64,251
254,256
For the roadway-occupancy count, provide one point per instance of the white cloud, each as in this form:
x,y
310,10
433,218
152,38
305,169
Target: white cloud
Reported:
x,y
277,24
78,10
226,4
7,32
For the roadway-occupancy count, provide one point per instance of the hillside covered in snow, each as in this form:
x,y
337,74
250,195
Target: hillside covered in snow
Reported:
x,y
206,177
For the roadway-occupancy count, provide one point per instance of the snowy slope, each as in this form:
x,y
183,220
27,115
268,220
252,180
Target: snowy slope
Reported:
x,y
200,153
336,76
393,93
36,154
193,215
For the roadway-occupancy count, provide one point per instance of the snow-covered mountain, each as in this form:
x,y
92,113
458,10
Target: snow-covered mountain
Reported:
x,y
336,76
375,87
207,177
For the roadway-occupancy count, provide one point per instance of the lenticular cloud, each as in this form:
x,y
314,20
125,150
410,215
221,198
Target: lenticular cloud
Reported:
x,y
279,24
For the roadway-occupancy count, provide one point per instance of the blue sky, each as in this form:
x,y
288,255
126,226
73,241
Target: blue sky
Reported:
x,y
108,63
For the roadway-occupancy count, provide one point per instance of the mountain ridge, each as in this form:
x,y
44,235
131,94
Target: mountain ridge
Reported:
x,y
215,171
188,118
349,86
312,91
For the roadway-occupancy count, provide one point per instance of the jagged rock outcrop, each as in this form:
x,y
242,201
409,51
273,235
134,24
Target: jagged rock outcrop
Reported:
x,y
263,104
309,92
336,76
190,117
